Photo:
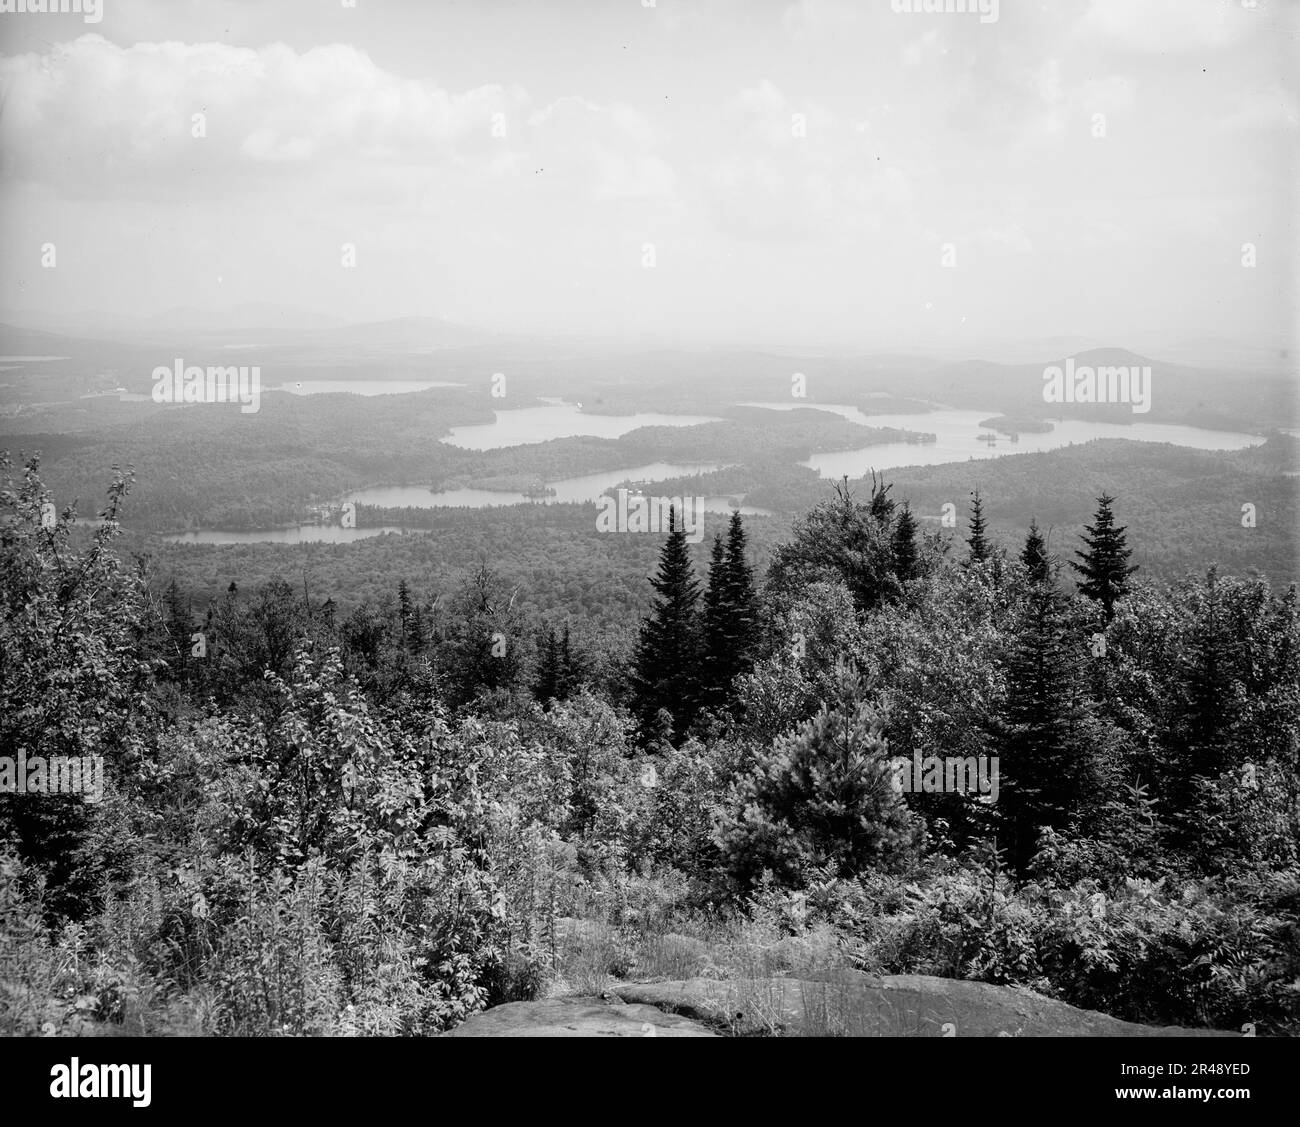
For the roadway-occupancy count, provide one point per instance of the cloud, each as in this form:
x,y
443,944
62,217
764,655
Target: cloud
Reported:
x,y
92,117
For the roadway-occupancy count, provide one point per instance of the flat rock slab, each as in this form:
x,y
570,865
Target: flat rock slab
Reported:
x,y
577,1017
890,1006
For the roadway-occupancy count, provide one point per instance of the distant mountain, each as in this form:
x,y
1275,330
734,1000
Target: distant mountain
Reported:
x,y
1092,357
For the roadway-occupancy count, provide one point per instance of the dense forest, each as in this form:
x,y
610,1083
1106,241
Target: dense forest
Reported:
x,y
383,816
1186,505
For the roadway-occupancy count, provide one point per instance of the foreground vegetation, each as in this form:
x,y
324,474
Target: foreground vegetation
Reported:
x,y
379,821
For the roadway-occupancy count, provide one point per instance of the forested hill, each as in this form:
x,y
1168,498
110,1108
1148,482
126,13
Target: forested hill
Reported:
x,y
1183,507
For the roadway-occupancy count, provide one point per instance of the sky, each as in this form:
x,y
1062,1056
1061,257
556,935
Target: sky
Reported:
x,y
729,171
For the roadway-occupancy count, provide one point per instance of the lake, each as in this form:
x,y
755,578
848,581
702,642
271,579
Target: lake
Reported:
x,y
522,426
958,439
589,487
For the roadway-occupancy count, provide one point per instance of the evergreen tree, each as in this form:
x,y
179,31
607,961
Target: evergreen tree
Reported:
x,y
1034,555
822,799
882,506
1105,568
546,687
179,622
978,542
668,660
571,669
559,669
729,615
740,595
1044,767
715,656
906,561
484,643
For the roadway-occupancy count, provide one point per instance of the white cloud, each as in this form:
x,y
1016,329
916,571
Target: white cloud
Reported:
x,y
94,116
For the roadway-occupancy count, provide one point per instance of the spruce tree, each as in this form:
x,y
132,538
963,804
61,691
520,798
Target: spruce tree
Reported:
x,y
978,542
1044,767
729,614
906,562
740,596
667,661
715,656
1105,567
1034,555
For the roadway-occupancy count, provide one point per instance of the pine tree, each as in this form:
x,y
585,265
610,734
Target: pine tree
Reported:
x,y
979,545
667,661
1105,568
906,560
1034,555
823,798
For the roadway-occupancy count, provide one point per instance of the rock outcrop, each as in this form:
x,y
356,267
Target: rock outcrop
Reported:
x,y
889,1006
847,1005
578,1017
